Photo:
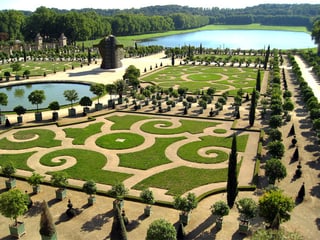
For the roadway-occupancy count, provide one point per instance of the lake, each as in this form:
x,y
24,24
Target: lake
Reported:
x,y
233,39
18,94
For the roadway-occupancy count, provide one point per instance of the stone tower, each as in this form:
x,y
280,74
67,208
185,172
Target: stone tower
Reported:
x,y
38,41
111,53
62,40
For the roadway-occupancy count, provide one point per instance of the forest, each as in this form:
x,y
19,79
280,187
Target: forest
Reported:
x,y
90,24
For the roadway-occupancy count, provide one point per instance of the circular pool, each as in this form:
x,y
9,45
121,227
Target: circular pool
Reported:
x,y
18,94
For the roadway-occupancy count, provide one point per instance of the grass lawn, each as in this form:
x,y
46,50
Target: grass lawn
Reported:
x,y
147,158
37,68
89,166
121,140
19,161
163,127
189,151
202,77
45,139
125,122
182,179
80,135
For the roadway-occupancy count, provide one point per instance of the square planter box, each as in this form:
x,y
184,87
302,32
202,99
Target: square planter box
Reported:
x,y
91,200
53,237
19,119
184,218
72,112
17,230
61,194
55,116
38,116
11,183
35,189
98,106
147,211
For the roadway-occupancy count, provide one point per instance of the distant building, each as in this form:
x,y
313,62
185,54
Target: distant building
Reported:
x,y
62,40
38,42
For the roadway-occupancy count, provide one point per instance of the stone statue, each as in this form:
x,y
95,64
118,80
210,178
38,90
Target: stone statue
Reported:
x,y
111,52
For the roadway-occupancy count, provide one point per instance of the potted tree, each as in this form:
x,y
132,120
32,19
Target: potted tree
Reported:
x,y
85,102
185,205
35,180
147,197
98,89
90,188
19,110
8,171
60,180
118,191
12,205
121,87
220,209
247,208
71,96
26,74
47,228
54,106
37,97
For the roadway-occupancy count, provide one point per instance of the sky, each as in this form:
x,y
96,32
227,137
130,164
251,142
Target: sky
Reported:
x,y
32,5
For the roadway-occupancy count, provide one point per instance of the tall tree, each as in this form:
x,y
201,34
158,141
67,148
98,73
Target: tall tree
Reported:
x,y
316,34
232,185
252,113
258,82
275,170
266,59
273,203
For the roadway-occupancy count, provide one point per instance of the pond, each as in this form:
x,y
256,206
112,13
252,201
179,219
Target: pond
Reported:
x,y
18,94
233,39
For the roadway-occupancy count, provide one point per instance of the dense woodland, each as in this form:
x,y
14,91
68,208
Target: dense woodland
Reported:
x,y
87,24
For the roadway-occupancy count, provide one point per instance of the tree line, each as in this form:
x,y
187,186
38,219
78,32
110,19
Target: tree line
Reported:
x,y
88,24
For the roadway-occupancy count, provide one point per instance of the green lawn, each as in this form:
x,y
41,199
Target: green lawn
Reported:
x,y
202,77
37,68
147,158
80,135
19,161
182,179
121,140
163,127
45,139
125,122
89,166
189,151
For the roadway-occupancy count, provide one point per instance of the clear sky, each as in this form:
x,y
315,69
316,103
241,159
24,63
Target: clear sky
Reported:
x,y
32,5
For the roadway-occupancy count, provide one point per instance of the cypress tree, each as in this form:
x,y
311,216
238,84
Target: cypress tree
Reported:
x,y
47,227
266,59
232,185
252,113
172,59
258,82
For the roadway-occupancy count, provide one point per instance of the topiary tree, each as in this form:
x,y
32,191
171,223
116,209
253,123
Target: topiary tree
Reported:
x,y
275,134
276,149
275,121
13,204
54,106
232,184
161,229
147,197
97,89
274,203
47,227
275,170
118,230
247,207
8,171
35,180
90,188
36,97
71,96
185,205
118,190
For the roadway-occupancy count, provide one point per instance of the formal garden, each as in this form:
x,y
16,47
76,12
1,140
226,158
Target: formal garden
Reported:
x,y
161,145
